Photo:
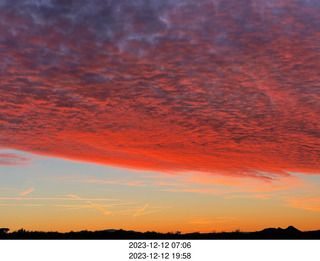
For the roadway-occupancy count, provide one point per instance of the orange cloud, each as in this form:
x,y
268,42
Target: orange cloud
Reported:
x,y
312,203
24,193
106,212
251,184
141,211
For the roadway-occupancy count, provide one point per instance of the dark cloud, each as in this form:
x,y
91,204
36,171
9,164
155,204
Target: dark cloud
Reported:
x,y
217,86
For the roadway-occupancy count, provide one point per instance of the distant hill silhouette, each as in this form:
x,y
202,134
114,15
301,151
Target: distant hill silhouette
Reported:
x,y
289,229
267,233
288,233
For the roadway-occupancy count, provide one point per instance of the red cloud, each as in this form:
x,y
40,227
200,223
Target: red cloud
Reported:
x,y
215,86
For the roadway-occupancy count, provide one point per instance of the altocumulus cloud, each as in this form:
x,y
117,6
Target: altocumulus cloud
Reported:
x,y
227,87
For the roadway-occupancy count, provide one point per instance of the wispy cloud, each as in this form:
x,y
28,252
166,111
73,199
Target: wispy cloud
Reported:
x,y
22,205
73,206
106,212
308,203
168,183
24,193
140,211
227,186
124,181
199,190
63,199
100,181
136,183
259,196
246,184
12,159
199,182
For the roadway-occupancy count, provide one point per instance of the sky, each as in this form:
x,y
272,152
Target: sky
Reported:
x,y
172,115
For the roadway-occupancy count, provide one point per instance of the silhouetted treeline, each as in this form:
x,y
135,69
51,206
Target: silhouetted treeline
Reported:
x,y
268,233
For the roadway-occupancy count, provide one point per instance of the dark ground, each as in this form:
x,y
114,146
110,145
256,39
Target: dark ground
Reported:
x,y
268,233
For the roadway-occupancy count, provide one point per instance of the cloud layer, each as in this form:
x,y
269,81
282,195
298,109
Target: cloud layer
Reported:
x,y
214,86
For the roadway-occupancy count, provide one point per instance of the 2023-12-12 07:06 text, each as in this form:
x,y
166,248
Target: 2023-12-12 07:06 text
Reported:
x,y
160,245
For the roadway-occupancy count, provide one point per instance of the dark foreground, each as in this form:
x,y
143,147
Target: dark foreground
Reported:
x,y
268,233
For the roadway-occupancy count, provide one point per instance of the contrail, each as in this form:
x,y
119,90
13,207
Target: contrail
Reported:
x,y
94,205
139,212
26,192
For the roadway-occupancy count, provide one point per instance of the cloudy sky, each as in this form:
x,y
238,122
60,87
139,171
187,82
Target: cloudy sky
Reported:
x,y
159,115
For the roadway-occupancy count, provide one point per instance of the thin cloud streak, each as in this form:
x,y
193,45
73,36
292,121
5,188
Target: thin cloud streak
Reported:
x,y
86,206
203,183
12,159
22,205
310,203
105,212
137,183
24,193
71,199
140,211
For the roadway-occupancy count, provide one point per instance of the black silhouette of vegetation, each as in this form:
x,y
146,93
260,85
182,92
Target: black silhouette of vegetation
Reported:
x,y
4,231
268,233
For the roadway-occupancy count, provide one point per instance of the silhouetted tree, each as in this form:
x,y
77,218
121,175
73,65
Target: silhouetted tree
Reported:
x,y
4,231
268,233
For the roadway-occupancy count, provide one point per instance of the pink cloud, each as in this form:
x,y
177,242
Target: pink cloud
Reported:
x,y
12,159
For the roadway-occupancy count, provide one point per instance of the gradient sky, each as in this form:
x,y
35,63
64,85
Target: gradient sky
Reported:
x,y
159,115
